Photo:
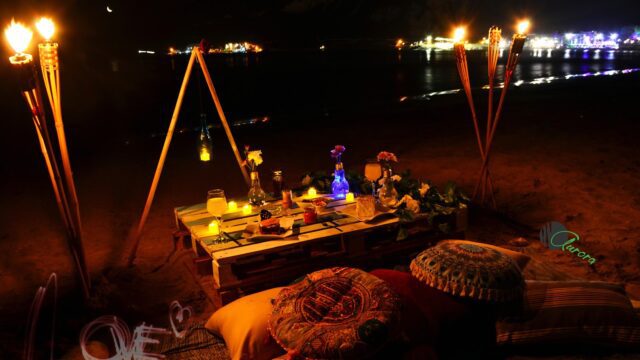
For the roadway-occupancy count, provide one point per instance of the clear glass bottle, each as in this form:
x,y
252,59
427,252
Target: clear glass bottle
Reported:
x,y
340,185
388,195
278,184
205,143
257,196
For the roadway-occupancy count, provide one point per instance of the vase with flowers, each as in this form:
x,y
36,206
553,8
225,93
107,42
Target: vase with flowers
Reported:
x,y
387,194
340,185
253,159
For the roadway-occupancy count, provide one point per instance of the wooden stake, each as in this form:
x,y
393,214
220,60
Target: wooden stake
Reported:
x,y
163,156
223,118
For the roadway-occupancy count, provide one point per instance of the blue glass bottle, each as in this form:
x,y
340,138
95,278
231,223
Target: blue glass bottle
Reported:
x,y
340,186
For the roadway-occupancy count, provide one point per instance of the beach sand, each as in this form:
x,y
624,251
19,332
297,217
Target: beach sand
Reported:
x,y
564,152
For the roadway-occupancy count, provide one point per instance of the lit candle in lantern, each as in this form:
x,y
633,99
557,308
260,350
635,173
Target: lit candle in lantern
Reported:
x,y
350,197
232,206
312,192
205,155
246,210
214,228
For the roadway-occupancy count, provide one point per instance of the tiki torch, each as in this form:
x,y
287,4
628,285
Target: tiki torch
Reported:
x,y
19,37
50,68
517,45
463,71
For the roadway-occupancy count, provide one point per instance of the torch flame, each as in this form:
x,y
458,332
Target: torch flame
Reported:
x,y
18,36
45,27
458,34
523,26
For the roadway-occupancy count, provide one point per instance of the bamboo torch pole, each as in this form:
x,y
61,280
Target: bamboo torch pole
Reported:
x,y
493,52
223,118
163,157
51,74
463,71
517,45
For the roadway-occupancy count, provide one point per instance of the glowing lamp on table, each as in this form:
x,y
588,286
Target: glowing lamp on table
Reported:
x,y
232,206
312,192
246,210
214,228
350,197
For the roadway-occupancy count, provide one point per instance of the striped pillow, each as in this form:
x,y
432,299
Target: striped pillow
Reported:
x,y
570,313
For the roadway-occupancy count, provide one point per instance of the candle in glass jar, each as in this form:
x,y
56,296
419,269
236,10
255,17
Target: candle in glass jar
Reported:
x,y
246,210
350,197
232,206
312,192
213,228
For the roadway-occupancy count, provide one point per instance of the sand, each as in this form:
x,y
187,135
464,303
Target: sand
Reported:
x,y
566,152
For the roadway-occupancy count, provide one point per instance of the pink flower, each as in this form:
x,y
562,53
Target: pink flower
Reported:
x,y
337,151
387,156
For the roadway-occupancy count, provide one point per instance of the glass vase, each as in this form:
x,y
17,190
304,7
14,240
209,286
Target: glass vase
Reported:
x,y
340,185
388,195
257,196
205,143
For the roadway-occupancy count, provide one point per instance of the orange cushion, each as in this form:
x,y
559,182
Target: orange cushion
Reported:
x,y
243,326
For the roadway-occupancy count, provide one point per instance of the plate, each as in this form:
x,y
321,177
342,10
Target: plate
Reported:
x,y
380,213
252,233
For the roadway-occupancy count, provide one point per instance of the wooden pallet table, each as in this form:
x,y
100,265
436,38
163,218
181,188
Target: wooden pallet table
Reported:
x,y
240,266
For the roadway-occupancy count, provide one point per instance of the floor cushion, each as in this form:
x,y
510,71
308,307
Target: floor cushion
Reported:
x,y
440,320
243,326
336,313
572,314
469,270
521,259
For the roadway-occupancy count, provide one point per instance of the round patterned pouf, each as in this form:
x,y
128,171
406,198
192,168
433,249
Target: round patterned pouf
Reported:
x,y
469,270
337,313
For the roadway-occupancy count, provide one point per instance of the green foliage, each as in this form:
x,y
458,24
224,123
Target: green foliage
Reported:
x,y
438,206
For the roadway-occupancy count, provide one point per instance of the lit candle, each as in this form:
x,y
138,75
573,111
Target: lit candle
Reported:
x,y
350,197
213,228
232,206
246,210
204,155
312,192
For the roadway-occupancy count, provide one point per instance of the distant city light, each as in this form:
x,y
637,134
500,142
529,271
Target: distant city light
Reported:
x,y
399,44
613,36
146,52
109,9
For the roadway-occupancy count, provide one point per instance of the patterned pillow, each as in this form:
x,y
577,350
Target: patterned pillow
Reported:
x,y
571,313
466,269
336,313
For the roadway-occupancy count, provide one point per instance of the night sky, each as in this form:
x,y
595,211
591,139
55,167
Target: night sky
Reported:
x,y
306,23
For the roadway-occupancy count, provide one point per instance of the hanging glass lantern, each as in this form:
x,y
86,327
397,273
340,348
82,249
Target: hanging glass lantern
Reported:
x,y
205,143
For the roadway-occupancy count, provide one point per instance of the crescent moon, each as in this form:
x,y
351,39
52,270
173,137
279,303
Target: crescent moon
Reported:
x,y
109,9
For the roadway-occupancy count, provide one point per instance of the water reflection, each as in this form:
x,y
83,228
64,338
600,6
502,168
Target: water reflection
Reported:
x,y
535,81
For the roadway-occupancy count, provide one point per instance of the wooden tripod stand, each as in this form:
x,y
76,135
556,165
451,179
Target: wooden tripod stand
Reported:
x,y
196,54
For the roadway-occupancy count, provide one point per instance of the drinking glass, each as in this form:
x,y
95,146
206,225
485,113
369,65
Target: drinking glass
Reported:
x,y
373,172
217,206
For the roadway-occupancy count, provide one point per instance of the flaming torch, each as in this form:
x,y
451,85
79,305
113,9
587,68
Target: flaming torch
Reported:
x,y
463,71
19,38
517,45
50,68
